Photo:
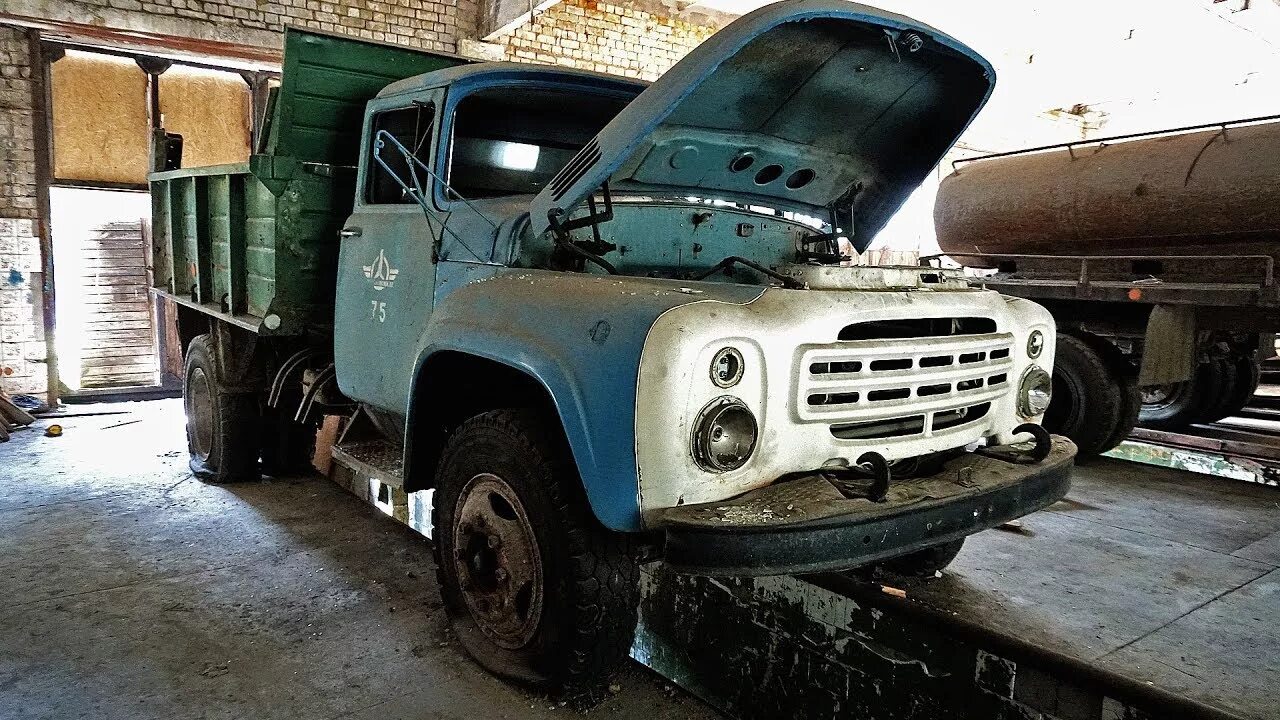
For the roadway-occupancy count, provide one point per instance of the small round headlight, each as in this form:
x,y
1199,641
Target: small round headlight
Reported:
x,y
726,367
724,435
1034,392
1035,344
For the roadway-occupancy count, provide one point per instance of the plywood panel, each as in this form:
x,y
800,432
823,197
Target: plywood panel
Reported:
x,y
119,346
99,119
210,110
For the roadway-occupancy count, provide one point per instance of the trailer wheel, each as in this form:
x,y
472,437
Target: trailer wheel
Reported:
x,y
1086,404
222,427
1219,405
1174,406
536,589
926,562
1244,373
1127,382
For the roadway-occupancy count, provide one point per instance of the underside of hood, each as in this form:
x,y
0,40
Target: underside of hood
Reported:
x,y
803,105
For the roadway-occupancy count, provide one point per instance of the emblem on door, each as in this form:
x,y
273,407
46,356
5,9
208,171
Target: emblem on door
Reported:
x,y
380,273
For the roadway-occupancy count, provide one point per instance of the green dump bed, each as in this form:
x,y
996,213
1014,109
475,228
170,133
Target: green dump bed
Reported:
x,y
256,243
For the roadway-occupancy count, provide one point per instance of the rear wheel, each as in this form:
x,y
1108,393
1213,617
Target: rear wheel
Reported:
x,y
536,589
222,427
1244,383
1087,400
1174,406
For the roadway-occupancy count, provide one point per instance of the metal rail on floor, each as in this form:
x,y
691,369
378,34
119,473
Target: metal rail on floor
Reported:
x,y
1243,447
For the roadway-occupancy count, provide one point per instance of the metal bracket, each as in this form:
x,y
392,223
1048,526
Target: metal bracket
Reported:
x,y
1013,454
875,488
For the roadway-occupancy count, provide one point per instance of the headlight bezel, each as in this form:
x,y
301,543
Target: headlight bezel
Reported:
x,y
1034,378
732,357
1035,344
713,416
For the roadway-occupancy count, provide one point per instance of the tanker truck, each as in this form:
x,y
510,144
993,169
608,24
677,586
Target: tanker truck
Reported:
x,y
1156,254
608,323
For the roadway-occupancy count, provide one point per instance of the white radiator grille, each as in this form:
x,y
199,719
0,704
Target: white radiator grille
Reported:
x,y
902,388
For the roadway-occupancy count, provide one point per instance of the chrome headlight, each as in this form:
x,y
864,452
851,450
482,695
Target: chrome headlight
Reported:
x,y
1034,392
724,435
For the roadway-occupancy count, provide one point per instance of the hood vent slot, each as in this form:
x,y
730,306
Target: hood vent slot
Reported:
x,y
588,156
918,328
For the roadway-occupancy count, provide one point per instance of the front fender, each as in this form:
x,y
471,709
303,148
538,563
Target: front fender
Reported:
x,y
580,337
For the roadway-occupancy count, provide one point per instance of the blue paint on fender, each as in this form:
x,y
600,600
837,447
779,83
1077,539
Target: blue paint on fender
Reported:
x,y
550,326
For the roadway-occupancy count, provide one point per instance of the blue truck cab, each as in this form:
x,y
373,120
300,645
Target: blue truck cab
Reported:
x,y
610,323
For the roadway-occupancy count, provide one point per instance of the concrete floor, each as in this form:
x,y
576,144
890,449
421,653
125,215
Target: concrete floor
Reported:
x,y
128,589
1164,576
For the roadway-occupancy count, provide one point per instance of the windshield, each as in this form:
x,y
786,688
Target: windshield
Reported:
x,y
511,142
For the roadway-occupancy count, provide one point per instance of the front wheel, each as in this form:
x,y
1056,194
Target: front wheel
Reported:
x,y
926,562
536,589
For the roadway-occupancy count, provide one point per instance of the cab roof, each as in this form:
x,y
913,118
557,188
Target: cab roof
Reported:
x,y
507,71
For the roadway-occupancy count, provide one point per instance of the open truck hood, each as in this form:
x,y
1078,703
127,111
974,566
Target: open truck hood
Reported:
x,y
802,105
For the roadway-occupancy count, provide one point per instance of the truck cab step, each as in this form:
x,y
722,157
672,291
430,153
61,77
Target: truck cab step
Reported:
x,y
379,460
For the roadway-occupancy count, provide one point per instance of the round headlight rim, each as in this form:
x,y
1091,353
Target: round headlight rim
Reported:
x,y
1034,372
1035,344
736,356
714,409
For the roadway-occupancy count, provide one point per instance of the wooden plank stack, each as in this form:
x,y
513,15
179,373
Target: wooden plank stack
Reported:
x,y
11,417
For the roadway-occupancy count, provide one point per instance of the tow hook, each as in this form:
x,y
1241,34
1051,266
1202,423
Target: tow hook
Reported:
x,y
875,488
1012,453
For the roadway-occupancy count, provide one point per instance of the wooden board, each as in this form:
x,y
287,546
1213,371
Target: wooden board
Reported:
x,y
100,130
210,110
119,347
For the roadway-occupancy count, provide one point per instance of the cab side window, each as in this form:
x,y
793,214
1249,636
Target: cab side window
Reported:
x,y
411,127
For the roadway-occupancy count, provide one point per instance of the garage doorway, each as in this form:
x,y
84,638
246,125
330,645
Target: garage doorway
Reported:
x,y
108,107
106,336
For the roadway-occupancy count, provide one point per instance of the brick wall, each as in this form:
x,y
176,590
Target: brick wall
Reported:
x,y
590,35
22,346
17,161
428,24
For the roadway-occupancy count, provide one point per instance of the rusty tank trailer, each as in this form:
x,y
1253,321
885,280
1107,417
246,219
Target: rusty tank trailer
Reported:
x,y
1204,191
1156,254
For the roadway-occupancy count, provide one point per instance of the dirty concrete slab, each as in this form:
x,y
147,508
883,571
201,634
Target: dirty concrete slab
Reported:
x,y
129,589
1224,653
1080,587
1213,514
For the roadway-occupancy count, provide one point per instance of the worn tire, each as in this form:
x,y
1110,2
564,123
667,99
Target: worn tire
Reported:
x,y
222,427
588,577
1219,406
1086,404
1127,383
926,562
1186,402
1244,383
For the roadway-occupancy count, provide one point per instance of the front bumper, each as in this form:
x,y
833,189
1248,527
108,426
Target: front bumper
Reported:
x,y
807,525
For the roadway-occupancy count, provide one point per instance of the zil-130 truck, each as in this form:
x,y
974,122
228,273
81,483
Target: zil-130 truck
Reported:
x,y
610,323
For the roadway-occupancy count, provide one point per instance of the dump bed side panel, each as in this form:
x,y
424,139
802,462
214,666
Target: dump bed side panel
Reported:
x,y
256,243
326,82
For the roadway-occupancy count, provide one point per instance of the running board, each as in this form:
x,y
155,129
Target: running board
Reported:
x,y
375,459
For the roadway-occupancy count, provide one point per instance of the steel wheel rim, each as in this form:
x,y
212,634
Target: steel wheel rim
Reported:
x,y
200,413
495,555
1162,396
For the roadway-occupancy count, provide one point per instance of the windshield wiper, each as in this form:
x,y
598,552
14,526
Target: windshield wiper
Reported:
x,y
725,264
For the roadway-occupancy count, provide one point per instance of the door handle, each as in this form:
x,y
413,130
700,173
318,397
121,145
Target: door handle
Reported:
x,y
350,232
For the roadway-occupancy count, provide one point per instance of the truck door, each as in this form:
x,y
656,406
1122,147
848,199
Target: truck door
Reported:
x,y
386,271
